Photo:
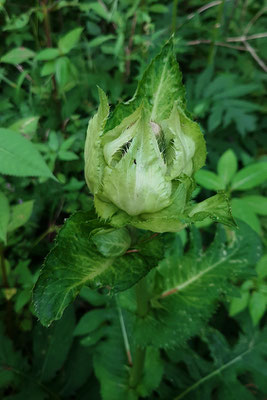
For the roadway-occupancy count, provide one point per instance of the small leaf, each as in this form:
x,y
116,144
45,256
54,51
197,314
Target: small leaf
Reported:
x,y
100,40
47,54
17,56
261,267
4,217
67,42
238,304
26,126
91,321
20,213
250,176
67,155
209,180
111,242
48,68
257,306
242,211
19,157
258,204
227,166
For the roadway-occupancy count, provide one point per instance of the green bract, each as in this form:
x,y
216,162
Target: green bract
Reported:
x,y
140,160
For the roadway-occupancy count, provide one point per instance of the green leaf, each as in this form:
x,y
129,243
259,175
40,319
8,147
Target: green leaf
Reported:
x,y
257,204
65,73
230,364
19,157
51,346
182,281
4,217
257,306
67,155
216,208
10,360
209,180
261,267
47,54
238,304
111,242
20,213
26,126
91,321
67,42
100,40
227,166
250,176
244,212
48,68
75,261
17,56
160,86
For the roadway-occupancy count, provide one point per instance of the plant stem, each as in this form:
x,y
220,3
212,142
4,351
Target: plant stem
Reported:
x,y
47,29
174,15
142,300
215,33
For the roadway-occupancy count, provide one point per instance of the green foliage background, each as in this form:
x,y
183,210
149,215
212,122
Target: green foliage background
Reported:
x,y
52,57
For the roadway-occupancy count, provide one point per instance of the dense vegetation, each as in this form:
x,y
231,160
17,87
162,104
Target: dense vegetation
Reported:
x,y
208,339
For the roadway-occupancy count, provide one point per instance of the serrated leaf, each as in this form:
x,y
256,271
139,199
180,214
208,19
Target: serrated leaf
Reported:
x,y
67,42
4,217
250,176
17,56
229,365
191,284
160,87
75,261
20,213
19,157
227,166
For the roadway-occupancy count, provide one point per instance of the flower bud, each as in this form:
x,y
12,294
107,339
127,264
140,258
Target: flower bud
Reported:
x,y
140,161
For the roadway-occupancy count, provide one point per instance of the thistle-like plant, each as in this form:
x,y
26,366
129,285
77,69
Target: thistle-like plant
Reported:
x,y
140,160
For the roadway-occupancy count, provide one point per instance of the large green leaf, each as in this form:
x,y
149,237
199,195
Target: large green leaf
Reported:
x,y
51,346
19,157
75,261
231,372
187,286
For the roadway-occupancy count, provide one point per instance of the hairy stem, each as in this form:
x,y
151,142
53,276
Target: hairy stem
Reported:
x,y
142,300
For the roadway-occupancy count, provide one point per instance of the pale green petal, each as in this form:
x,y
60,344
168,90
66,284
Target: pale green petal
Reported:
x,y
185,146
93,153
137,183
104,209
113,141
171,218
